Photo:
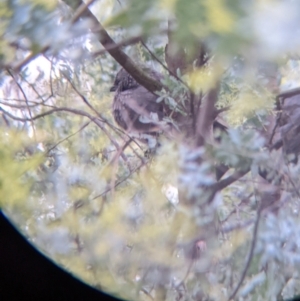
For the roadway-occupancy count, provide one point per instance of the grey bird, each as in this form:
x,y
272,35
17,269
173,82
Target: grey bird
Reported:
x,y
136,110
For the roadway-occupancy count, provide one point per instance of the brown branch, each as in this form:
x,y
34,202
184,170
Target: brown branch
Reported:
x,y
250,256
237,226
19,65
288,94
81,10
277,145
229,180
69,136
120,150
163,65
35,90
117,130
243,201
124,43
214,188
113,163
74,111
18,106
119,182
25,98
6,102
205,116
146,293
110,138
111,47
84,99
51,71
253,244
123,59
61,109
127,63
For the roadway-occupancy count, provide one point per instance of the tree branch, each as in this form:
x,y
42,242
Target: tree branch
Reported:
x,y
229,180
109,188
163,65
124,43
18,66
205,116
253,244
289,93
74,111
25,98
69,136
123,59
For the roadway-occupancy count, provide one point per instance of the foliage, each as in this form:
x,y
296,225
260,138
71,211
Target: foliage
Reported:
x,y
160,225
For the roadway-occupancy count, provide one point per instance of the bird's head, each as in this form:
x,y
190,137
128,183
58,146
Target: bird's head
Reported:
x,y
123,81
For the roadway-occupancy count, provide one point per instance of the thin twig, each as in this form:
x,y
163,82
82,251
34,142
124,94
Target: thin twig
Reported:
x,y
25,98
235,209
253,244
84,99
51,80
123,59
18,106
147,294
18,66
65,109
114,167
250,256
237,226
5,101
41,115
119,182
115,143
68,137
163,65
32,87
205,116
117,130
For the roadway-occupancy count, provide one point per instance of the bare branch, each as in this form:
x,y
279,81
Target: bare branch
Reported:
x,y
243,201
61,109
68,137
32,86
250,256
25,98
93,109
74,111
163,65
229,180
123,59
18,66
289,93
110,138
205,116
81,10
237,226
108,189
124,43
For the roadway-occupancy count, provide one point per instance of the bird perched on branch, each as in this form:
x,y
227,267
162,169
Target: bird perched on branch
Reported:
x,y
135,108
